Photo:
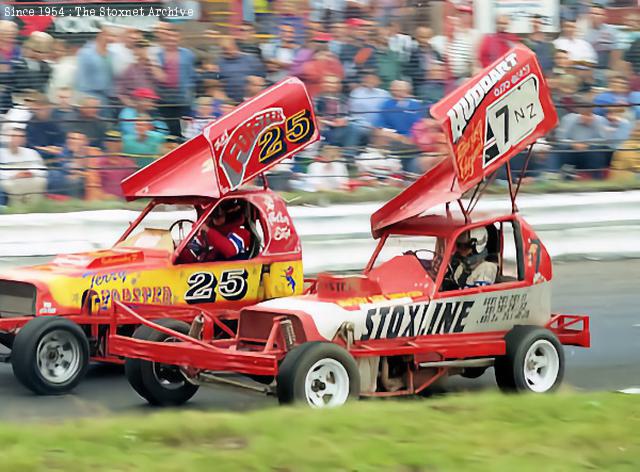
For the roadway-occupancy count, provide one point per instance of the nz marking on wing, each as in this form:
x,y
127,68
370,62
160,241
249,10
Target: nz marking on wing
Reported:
x,y
462,112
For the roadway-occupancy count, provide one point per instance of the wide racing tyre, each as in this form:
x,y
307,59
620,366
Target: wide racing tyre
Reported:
x,y
159,384
50,355
534,361
320,374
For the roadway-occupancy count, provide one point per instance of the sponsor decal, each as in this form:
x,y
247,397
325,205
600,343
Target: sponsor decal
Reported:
x,y
237,147
415,320
155,295
505,308
469,147
120,259
103,279
462,112
535,255
47,309
356,301
443,317
204,287
288,276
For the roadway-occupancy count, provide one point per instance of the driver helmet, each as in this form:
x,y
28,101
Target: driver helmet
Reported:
x,y
475,238
233,209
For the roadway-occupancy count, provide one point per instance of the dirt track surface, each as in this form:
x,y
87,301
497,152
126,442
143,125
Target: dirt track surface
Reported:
x,y
608,291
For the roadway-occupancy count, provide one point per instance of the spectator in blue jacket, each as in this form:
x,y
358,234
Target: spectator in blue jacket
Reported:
x,y
618,94
235,66
43,133
398,116
94,73
177,80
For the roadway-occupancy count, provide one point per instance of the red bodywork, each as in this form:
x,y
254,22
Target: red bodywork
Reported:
x,y
483,121
201,173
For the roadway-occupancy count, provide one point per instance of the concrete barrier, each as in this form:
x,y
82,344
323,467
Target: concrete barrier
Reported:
x,y
590,225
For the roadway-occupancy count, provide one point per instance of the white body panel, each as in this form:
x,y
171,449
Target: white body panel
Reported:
x,y
480,312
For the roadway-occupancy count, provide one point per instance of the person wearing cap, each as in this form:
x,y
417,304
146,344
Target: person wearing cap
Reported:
x,y
144,101
139,74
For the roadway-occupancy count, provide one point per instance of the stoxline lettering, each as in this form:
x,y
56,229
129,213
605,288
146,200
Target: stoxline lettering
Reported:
x,y
462,112
412,320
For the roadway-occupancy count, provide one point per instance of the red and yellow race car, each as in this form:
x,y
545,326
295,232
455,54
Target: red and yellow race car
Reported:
x,y
55,316
444,293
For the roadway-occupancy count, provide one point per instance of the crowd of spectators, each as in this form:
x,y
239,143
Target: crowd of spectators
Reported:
x,y
77,118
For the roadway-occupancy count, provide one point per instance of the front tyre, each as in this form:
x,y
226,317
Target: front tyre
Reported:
x,y
50,355
320,374
159,384
534,361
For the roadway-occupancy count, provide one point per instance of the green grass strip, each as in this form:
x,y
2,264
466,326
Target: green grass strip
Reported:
x,y
472,432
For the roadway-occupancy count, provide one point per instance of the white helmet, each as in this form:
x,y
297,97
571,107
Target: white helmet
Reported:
x,y
477,238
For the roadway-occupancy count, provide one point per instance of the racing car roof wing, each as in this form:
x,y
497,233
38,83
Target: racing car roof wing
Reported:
x,y
487,121
234,149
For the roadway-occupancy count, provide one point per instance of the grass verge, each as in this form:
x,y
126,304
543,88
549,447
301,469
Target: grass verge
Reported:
x,y
484,432
361,195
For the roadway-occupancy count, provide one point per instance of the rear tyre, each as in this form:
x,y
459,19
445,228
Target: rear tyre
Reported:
x,y
320,374
534,361
50,355
159,384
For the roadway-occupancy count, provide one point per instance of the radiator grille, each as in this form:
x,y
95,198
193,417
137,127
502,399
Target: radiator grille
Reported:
x,y
17,299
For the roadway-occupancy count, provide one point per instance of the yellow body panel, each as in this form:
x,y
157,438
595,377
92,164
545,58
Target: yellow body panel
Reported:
x,y
226,283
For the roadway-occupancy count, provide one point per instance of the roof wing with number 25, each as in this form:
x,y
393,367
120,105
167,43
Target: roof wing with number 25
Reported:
x,y
234,149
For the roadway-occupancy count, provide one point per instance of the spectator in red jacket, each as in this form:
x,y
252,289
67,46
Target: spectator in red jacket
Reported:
x,y
322,64
496,45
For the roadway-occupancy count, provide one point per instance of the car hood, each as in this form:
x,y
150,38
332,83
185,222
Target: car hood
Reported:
x,y
81,264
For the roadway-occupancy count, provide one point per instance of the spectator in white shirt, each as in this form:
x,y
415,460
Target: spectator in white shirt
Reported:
x,y
23,175
578,49
327,173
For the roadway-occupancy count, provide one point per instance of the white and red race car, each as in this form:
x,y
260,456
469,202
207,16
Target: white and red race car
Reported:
x,y
408,319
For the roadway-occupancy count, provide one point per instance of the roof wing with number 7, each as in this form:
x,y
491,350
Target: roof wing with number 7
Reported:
x,y
496,115
488,120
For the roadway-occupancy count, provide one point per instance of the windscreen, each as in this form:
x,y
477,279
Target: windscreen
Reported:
x,y
427,249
